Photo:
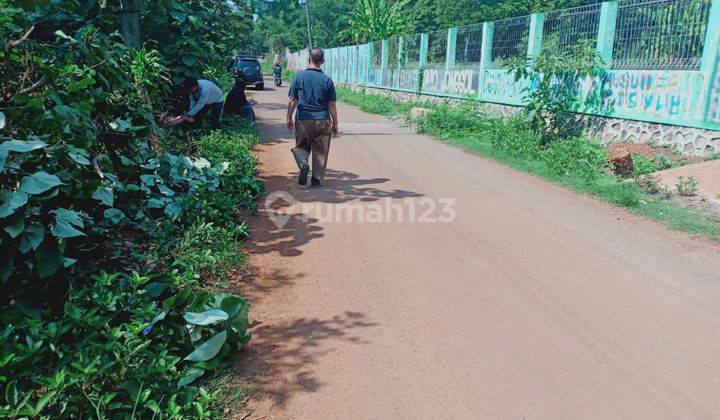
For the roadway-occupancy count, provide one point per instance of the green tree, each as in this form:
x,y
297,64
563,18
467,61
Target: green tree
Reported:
x,y
376,19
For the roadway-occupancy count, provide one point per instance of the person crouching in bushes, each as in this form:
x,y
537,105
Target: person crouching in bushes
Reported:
x,y
205,98
237,103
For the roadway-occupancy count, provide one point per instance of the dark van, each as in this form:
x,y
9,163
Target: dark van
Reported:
x,y
250,69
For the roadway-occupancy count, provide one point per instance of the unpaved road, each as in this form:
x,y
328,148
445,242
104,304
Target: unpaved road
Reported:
x,y
534,302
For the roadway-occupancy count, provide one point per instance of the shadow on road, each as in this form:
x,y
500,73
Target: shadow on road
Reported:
x,y
280,361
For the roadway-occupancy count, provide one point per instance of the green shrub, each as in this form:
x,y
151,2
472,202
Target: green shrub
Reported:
x,y
686,186
88,180
644,165
208,249
446,121
552,91
618,192
575,156
126,345
513,138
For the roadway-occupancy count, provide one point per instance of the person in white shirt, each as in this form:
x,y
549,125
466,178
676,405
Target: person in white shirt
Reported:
x,y
205,97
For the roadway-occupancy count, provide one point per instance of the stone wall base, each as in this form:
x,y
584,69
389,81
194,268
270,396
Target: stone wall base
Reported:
x,y
688,141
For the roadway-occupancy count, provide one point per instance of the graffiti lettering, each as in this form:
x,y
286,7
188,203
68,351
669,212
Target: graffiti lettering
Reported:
x,y
658,93
456,81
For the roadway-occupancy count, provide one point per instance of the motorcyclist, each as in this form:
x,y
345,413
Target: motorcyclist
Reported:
x,y
277,71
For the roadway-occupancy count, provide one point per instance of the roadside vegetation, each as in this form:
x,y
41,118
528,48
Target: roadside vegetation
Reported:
x,y
578,163
546,138
117,234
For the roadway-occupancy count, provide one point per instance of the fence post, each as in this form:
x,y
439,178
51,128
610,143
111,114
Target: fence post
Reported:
x,y
606,31
536,32
364,63
369,63
384,61
422,60
710,64
712,38
451,47
356,64
423,49
401,51
359,64
485,54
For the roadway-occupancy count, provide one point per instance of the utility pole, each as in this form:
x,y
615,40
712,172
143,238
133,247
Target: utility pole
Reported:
x,y
309,31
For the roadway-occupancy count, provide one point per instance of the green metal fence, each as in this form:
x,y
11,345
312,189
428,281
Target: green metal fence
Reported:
x,y
662,59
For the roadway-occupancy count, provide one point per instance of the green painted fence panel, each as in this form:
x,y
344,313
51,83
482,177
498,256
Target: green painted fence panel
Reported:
x,y
662,58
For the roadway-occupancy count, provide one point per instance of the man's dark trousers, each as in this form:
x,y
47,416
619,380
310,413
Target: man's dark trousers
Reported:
x,y
313,136
215,111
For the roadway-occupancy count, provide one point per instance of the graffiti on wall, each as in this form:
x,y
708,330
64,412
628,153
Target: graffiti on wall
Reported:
x,y
455,81
500,86
676,95
714,107
374,76
403,78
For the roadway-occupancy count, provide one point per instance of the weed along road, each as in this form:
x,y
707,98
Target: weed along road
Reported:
x,y
424,282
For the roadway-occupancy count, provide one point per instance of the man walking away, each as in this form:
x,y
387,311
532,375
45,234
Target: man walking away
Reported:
x,y
205,97
313,93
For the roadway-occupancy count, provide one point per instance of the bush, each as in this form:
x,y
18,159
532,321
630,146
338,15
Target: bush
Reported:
x,y
124,342
120,348
686,186
552,92
447,121
514,138
644,165
575,156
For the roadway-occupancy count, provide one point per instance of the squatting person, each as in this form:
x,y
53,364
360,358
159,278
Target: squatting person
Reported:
x,y
312,92
237,102
205,97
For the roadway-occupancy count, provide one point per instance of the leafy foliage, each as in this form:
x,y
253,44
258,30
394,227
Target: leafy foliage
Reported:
x,y
117,349
553,90
644,165
94,323
375,19
281,23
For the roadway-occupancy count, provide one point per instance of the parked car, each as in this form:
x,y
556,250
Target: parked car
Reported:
x,y
250,69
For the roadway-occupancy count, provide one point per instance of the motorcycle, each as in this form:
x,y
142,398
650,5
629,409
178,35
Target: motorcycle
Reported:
x,y
278,80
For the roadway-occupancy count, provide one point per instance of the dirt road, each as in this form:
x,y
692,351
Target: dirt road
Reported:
x,y
534,302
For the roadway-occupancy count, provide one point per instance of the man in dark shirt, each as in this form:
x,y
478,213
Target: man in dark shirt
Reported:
x,y
312,92
237,103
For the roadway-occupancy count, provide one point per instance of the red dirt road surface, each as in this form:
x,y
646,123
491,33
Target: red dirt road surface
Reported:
x,y
535,302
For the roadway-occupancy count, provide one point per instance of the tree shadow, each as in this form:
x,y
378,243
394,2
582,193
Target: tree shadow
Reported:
x,y
256,282
287,238
280,361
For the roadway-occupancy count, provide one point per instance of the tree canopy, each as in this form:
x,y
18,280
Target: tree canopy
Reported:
x,y
281,23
